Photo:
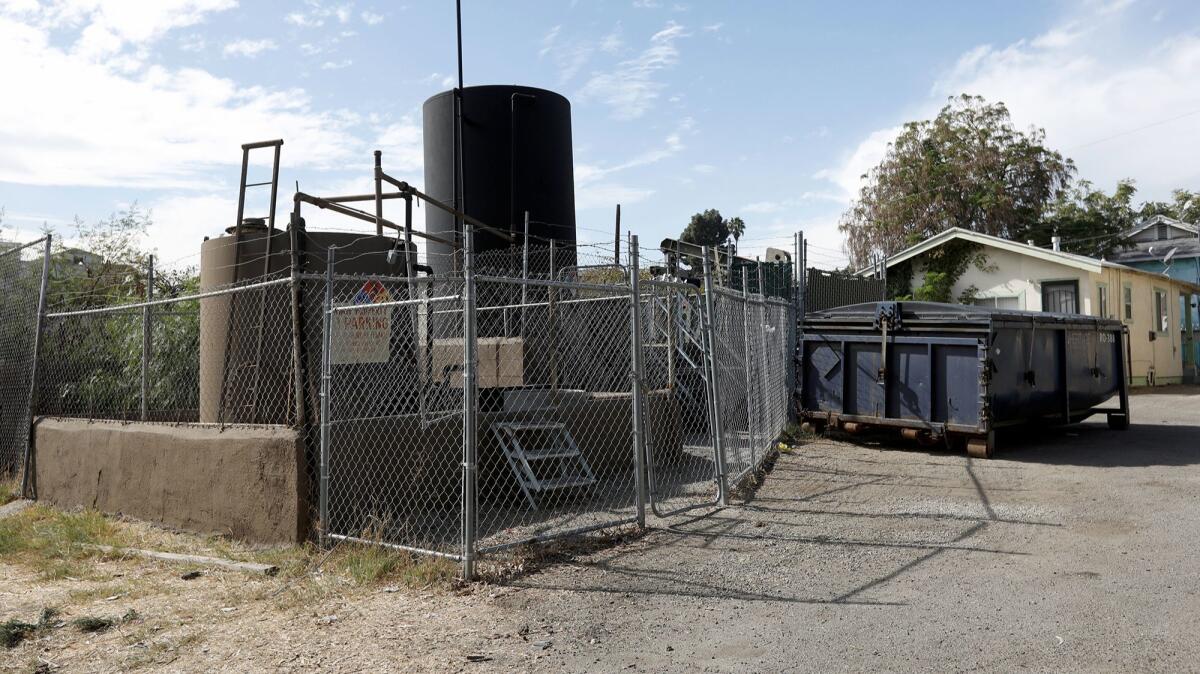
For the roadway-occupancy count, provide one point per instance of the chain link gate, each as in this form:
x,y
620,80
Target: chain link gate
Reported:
x,y
682,462
556,433
23,275
391,437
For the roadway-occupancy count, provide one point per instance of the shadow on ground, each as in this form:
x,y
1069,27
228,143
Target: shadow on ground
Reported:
x,y
756,552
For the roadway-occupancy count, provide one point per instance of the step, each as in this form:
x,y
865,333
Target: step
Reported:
x,y
528,426
544,453
566,482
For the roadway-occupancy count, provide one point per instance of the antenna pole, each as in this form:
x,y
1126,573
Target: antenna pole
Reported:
x,y
458,13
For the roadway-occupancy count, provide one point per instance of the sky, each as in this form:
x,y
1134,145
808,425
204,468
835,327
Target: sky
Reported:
x,y
771,111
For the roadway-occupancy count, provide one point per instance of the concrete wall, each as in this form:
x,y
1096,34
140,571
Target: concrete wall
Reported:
x,y
1008,274
246,482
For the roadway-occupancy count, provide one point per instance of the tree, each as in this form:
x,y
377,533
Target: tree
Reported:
x,y
968,167
97,358
1184,205
1089,221
736,229
706,229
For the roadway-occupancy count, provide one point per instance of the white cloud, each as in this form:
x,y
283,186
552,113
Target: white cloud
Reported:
x,y
304,20
1119,105
791,203
316,14
337,65
592,184
107,27
402,147
605,195
612,43
1114,107
848,174
704,168
1112,7
249,48
1058,38
571,54
181,221
371,18
78,122
713,27
631,88
193,43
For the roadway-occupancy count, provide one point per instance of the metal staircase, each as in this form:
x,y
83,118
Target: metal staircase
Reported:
x,y
543,457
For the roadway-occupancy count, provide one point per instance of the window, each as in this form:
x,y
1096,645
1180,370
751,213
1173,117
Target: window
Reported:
x,y
998,302
1161,311
1102,300
1060,297
1163,232
1127,300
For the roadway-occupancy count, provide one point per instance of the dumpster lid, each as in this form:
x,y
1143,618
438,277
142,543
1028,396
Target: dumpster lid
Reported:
x,y
939,312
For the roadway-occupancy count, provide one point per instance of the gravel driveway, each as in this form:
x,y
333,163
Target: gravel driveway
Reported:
x,y
1074,550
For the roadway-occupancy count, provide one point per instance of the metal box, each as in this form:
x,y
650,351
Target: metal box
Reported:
x,y
955,373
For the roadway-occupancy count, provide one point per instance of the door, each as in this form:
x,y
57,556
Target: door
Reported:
x,y
1060,297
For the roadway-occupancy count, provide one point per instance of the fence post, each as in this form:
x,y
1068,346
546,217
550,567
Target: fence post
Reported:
x,y
469,382
552,325
30,396
747,361
146,335
764,374
635,376
714,391
524,274
326,383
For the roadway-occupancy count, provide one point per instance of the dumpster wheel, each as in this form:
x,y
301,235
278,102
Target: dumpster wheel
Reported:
x,y
981,447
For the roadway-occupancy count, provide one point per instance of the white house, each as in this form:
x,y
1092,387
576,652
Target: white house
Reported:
x,y
1021,276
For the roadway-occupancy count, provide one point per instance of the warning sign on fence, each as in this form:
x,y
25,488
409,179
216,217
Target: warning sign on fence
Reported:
x,y
362,334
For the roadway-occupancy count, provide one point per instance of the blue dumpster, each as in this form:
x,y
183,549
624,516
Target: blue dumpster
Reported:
x,y
954,373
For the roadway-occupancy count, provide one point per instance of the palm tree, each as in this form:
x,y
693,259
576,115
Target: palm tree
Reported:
x,y
736,229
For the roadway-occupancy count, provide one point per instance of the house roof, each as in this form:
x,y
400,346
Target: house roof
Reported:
x,y
1088,264
1161,220
1155,250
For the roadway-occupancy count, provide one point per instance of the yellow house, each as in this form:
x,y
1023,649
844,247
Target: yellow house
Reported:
x,y
1013,275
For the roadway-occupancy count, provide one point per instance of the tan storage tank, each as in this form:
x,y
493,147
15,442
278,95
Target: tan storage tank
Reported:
x,y
246,337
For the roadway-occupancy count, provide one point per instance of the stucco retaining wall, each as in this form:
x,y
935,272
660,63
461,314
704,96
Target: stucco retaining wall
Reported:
x,y
246,482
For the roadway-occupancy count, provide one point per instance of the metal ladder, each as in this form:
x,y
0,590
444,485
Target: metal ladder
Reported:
x,y
255,366
543,457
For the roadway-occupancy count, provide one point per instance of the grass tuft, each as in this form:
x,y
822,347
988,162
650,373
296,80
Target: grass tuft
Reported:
x,y
13,632
53,542
89,623
10,489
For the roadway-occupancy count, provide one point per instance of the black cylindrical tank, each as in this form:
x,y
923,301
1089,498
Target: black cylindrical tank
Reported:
x,y
516,148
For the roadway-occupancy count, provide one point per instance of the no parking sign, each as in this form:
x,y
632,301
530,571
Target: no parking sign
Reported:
x,y
362,333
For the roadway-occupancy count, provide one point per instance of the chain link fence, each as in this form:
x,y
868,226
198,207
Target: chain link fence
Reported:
x,y
221,356
526,395
23,271
540,395
827,289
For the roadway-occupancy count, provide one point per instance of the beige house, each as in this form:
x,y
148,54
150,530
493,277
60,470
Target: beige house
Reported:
x,y
1020,276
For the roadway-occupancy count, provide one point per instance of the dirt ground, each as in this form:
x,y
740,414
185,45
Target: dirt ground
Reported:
x,y
1073,550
